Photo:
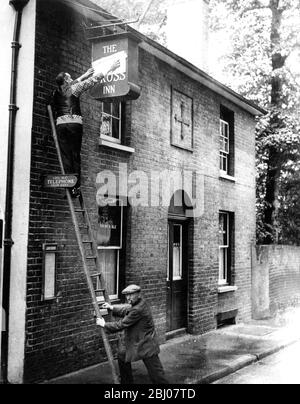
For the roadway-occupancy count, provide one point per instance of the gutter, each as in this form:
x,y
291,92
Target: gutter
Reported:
x,y
18,6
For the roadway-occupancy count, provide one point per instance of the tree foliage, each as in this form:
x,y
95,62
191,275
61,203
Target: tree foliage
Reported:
x,y
131,10
261,63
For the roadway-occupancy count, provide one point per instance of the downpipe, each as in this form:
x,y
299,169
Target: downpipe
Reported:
x,y
18,6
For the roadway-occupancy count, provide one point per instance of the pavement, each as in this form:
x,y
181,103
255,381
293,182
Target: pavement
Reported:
x,y
210,357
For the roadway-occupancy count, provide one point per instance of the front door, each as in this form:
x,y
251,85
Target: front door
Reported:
x,y
177,277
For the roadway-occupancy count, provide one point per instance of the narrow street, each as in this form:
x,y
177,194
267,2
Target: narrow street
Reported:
x,y
280,368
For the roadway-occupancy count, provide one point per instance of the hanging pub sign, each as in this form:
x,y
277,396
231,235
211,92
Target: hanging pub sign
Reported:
x,y
122,82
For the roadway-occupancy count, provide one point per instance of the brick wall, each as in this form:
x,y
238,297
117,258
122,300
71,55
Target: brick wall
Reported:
x,y
61,335
279,267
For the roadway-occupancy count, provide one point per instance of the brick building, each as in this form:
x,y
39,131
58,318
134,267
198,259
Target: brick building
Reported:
x,y
193,265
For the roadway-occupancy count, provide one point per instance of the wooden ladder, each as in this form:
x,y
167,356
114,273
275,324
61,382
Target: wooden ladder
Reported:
x,y
98,286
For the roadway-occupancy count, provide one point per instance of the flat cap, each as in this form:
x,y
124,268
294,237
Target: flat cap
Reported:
x,y
131,289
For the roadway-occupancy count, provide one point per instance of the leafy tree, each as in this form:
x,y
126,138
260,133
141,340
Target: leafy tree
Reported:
x,y
265,42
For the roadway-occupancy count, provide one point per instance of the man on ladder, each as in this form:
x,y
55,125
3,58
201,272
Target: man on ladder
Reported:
x,y
65,104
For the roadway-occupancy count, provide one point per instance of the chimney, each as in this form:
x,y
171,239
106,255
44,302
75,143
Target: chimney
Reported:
x,y
187,31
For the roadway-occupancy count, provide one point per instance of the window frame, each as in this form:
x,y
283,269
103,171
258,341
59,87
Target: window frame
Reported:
x,y
111,138
117,249
225,273
224,154
98,286
227,154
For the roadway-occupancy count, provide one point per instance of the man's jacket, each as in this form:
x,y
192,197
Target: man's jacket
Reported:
x,y
65,104
140,335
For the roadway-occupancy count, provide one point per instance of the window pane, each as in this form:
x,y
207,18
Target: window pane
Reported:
x,y
107,108
223,229
106,125
116,110
177,258
116,128
224,162
223,265
109,268
224,137
111,120
109,229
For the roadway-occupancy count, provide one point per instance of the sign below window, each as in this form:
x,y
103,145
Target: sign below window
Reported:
x,y
122,82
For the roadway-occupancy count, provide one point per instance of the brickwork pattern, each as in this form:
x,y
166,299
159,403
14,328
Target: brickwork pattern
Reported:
x,y
282,266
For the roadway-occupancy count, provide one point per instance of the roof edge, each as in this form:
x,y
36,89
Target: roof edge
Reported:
x,y
184,66
199,75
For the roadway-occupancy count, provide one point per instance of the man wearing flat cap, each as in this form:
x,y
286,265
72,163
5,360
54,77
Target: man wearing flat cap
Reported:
x,y
140,336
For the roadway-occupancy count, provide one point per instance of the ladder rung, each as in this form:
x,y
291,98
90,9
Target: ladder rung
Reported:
x,y
91,258
88,242
80,210
99,290
96,275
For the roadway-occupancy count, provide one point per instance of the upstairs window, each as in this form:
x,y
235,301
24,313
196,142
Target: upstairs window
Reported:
x,y
226,142
224,146
112,122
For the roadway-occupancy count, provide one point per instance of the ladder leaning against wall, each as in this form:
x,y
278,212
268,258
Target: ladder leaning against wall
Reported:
x,y
89,254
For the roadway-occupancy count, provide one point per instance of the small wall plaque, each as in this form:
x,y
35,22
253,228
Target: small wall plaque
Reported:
x,y
182,120
60,181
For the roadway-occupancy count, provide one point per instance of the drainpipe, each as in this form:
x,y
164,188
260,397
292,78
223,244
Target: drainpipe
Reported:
x,y
18,6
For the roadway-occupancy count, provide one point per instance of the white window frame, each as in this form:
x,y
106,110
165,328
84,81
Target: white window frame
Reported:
x,y
224,152
224,250
116,296
111,116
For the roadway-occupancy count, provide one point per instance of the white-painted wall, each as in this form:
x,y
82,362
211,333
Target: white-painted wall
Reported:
x,y
187,31
6,34
22,170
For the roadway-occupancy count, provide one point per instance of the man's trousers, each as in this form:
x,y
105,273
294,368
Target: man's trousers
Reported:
x,y
153,365
70,139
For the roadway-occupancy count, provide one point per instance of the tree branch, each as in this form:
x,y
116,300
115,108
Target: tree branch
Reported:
x,y
253,8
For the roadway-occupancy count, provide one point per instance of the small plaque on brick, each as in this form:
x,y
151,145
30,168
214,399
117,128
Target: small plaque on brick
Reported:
x,y
60,181
182,120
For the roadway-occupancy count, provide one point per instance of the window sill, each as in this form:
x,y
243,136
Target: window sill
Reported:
x,y
226,289
116,146
227,177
